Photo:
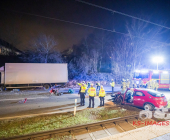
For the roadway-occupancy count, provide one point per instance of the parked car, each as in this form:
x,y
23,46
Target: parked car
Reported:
x,y
141,97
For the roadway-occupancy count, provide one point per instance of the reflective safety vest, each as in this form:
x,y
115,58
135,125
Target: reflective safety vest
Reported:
x,y
112,84
92,91
102,93
83,88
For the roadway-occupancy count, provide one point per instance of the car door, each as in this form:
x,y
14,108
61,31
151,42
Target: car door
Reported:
x,y
138,98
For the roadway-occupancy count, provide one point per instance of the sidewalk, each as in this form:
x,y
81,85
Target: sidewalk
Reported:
x,y
152,132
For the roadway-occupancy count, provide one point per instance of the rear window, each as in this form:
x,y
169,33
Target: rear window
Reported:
x,y
156,94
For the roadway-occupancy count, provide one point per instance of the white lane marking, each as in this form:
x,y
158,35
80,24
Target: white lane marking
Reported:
x,y
21,99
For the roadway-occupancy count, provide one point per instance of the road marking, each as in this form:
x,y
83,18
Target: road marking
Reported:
x,y
21,99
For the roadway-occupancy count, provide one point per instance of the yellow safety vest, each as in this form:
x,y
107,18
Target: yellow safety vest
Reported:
x,y
112,84
102,93
92,92
83,88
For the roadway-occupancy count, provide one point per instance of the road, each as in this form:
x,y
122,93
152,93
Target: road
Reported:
x,y
40,101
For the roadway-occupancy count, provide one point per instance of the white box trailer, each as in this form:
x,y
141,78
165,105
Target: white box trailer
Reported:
x,y
20,75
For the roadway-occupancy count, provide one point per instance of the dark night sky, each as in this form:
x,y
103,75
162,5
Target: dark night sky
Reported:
x,y
28,27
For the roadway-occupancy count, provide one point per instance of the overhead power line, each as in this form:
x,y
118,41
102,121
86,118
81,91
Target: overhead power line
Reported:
x,y
85,25
114,11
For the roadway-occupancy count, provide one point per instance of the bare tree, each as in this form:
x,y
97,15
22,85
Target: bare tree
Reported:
x,y
127,53
44,50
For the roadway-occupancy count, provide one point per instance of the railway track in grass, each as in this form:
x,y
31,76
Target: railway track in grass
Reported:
x,y
90,131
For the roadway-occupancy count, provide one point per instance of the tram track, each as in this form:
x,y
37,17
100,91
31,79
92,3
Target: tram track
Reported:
x,y
90,131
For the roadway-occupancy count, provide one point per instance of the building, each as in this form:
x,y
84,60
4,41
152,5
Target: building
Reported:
x,y
8,49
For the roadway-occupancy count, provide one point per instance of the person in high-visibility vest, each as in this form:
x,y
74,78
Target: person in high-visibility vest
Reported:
x,y
156,85
82,93
102,94
123,85
98,86
88,85
92,93
112,85
127,83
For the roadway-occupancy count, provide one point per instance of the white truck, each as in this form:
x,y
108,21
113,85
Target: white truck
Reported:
x,y
24,75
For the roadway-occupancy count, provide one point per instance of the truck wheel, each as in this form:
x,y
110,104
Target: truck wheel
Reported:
x,y
46,86
149,106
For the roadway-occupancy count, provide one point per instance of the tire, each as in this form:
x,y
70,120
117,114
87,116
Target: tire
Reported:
x,y
119,101
148,106
46,87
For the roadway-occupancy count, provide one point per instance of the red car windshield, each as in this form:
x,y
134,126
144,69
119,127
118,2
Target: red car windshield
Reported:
x,y
155,93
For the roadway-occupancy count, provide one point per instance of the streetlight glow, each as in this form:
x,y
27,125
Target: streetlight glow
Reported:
x,y
157,60
137,71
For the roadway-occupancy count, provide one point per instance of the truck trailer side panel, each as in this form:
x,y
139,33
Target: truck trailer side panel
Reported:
x,y
32,73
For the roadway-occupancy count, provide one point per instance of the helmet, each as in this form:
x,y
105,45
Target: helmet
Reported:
x,y
101,86
91,84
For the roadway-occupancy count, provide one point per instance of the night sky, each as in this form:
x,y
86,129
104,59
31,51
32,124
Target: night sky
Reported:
x,y
24,28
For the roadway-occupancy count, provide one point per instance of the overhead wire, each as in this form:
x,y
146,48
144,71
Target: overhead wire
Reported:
x,y
121,13
85,25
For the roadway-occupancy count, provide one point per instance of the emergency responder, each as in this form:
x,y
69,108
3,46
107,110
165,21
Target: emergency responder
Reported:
x,y
152,84
127,83
98,86
88,85
132,83
156,85
82,93
135,83
92,93
148,84
140,82
102,94
112,85
123,85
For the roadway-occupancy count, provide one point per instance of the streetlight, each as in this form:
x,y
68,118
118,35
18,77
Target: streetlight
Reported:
x,y
157,60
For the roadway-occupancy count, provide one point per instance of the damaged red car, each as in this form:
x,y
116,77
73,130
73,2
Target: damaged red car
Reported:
x,y
141,97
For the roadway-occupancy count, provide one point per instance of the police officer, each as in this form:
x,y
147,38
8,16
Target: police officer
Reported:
x,y
112,85
92,94
98,85
88,85
102,94
82,93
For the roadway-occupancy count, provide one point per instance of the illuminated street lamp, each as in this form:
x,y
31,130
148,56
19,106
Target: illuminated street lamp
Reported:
x,y
157,60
